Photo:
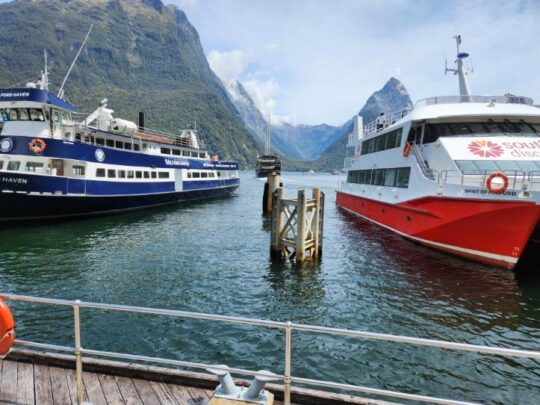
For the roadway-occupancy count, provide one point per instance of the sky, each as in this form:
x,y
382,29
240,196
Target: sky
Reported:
x,y
317,61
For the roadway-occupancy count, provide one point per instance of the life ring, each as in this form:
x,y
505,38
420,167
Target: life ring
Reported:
x,y
37,146
7,331
500,185
407,149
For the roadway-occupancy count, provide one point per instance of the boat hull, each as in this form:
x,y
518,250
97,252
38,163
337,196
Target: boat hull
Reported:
x,y
23,209
486,231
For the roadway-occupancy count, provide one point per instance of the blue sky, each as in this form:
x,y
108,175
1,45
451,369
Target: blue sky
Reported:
x,y
315,61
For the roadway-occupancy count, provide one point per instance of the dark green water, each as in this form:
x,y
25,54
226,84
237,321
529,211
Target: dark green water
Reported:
x,y
213,257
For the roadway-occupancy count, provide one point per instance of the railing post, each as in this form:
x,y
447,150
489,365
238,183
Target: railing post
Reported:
x,y
288,358
78,354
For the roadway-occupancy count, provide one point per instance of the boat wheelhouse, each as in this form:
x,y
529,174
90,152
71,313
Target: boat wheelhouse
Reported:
x,y
460,174
55,163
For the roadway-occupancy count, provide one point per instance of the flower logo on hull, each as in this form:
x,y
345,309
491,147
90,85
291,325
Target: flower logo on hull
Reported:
x,y
486,149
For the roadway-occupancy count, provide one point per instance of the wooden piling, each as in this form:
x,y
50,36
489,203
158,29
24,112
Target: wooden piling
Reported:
x,y
300,248
297,225
271,185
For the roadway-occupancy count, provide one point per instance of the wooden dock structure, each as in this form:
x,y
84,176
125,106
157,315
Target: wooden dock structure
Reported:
x,y
297,224
33,378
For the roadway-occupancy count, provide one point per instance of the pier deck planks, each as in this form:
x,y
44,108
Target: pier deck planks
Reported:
x,y
34,384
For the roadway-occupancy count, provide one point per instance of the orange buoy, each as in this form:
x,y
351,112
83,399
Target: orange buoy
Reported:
x,y
407,149
497,183
37,146
7,331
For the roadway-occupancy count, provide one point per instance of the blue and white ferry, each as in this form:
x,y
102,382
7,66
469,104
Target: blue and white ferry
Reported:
x,y
55,163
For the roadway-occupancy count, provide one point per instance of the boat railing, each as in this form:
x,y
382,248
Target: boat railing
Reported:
x,y
287,328
389,119
507,99
426,171
183,138
517,179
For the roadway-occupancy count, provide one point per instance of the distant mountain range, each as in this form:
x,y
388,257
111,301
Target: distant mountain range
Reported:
x,y
318,147
141,55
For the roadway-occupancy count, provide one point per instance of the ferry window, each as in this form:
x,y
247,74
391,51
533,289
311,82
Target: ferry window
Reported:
x,y
166,151
127,146
189,175
121,174
219,174
23,114
138,174
78,170
193,154
56,116
1,164
163,175
136,147
119,144
201,155
146,175
65,117
185,153
110,143
212,174
204,174
12,114
92,140
371,146
77,137
100,172
176,152
389,177
380,143
378,178
486,165
507,165
467,166
196,175
390,140
13,165
100,141
111,173
154,175
36,114
402,178
130,174
34,167
527,165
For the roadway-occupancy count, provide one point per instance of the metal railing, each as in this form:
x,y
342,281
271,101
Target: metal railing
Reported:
x,y
474,99
287,327
426,171
390,119
517,179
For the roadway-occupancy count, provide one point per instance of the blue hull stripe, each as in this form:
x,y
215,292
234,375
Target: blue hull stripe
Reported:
x,y
80,151
26,183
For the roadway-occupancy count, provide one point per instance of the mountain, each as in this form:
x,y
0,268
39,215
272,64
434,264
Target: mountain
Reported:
x,y
142,55
392,97
297,142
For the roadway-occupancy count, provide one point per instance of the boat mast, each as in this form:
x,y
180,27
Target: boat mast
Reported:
x,y
464,89
61,91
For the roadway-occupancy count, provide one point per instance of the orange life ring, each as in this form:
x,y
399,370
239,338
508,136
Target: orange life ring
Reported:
x,y
7,331
407,149
37,146
497,188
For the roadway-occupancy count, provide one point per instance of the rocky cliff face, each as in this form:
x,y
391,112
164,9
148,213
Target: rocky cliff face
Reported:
x,y
142,55
392,97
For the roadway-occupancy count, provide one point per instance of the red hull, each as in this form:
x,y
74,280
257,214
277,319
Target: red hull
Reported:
x,y
490,232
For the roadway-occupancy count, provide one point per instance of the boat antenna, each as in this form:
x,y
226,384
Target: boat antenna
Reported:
x,y
464,89
61,91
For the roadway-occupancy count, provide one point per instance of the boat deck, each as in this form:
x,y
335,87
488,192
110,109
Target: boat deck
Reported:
x,y
28,384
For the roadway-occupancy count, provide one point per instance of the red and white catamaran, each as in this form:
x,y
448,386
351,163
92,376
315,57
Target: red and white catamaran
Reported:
x,y
457,173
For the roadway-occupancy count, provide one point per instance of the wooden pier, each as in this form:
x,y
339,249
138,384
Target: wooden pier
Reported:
x,y
34,378
297,224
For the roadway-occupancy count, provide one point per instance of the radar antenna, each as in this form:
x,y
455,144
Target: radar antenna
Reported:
x,y
464,89
61,91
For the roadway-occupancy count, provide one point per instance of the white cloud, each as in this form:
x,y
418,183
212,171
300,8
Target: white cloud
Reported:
x,y
228,65
187,4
